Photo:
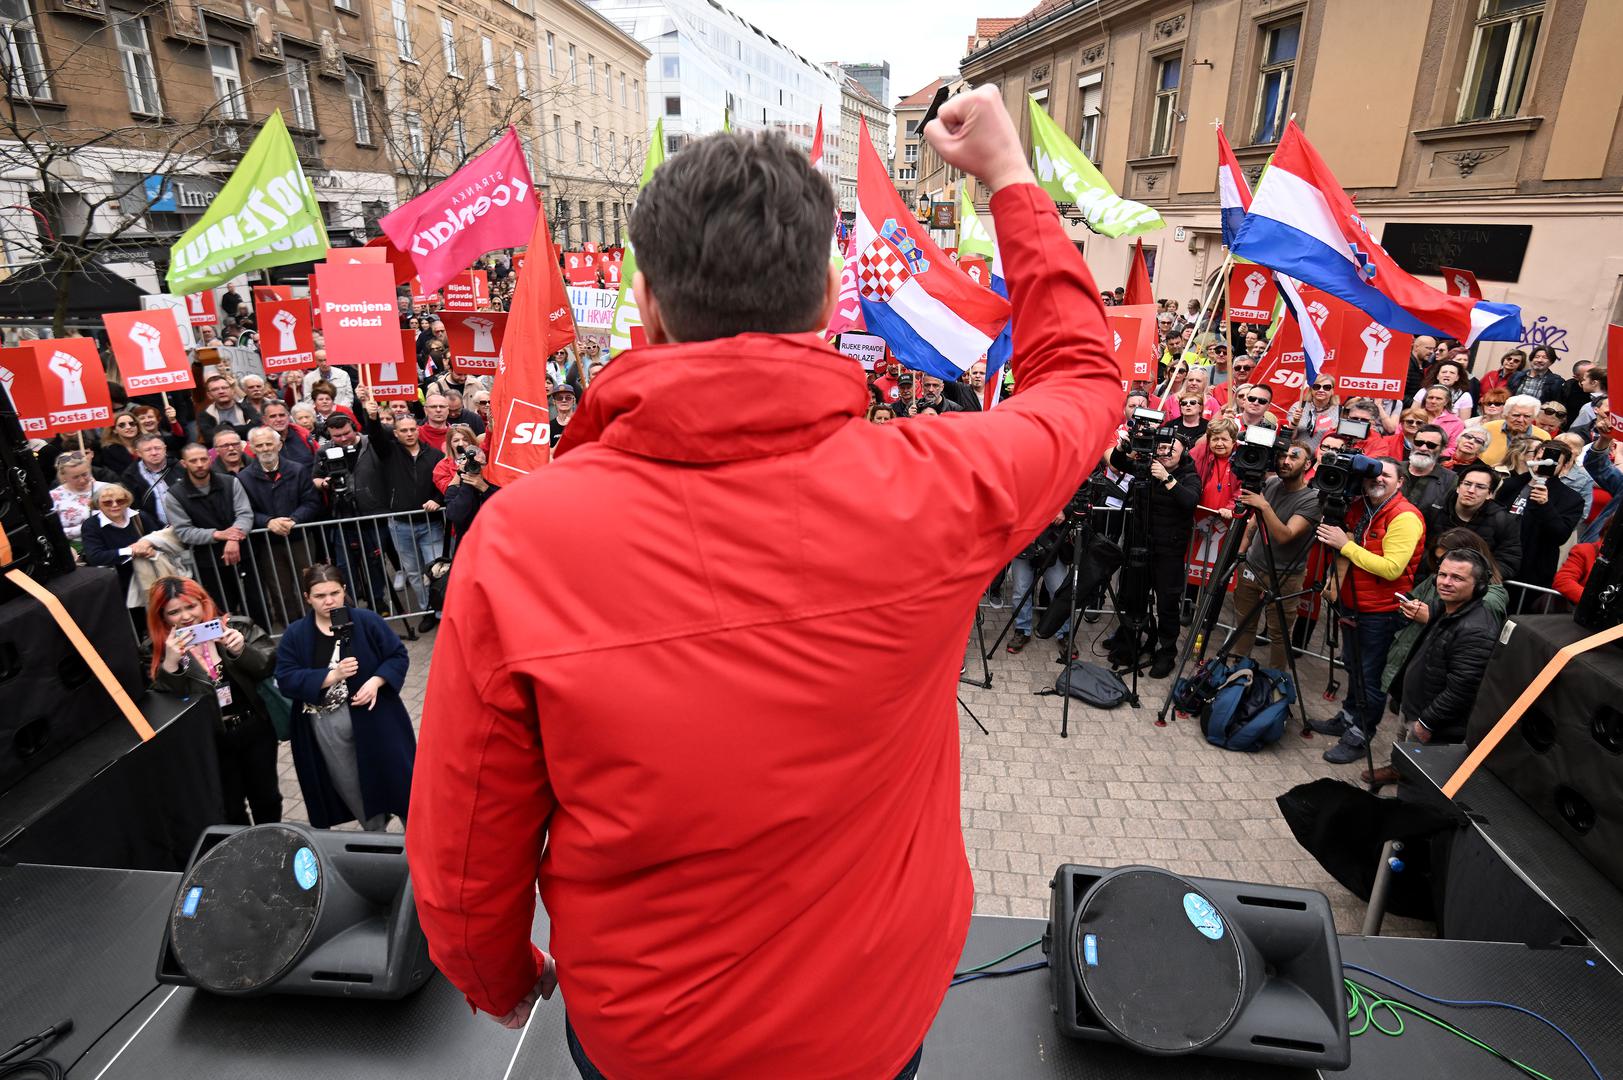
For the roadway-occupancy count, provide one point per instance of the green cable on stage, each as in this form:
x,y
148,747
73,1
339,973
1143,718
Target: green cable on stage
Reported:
x,y
999,960
1365,1000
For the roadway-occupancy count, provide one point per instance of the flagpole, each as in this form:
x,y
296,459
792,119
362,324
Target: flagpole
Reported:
x,y
1204,323
1228,335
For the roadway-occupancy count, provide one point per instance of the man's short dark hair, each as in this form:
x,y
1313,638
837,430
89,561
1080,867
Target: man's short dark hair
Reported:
x,y
337,422
1435,430
1485,470
732,237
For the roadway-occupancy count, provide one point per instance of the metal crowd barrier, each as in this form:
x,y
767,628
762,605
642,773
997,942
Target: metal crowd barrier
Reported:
x,y
265,584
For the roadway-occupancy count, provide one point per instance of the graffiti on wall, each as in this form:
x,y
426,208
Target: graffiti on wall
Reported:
x,y
1546,333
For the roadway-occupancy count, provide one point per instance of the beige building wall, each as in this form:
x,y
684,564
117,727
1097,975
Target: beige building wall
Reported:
x,y
1385,115
604,187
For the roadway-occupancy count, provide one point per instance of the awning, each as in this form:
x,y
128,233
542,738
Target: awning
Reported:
x,y
29,295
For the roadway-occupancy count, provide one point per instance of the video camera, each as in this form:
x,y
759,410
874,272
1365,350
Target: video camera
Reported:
x,y
1141,434
336,465
467,461
1253,458
1340,476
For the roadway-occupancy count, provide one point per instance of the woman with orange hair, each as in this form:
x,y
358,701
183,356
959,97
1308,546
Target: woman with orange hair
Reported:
x,y
229,669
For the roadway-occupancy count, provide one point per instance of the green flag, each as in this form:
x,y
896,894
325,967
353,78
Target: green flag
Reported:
x,y
626,316
973,237
266,215
1065,172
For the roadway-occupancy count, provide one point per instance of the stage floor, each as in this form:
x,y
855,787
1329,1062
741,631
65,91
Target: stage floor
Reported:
x,y
83,943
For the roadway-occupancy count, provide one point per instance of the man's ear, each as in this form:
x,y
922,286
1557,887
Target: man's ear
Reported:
x,y
831,297
653,325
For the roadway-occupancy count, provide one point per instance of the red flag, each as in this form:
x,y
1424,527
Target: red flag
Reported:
x,y
817,139
1139,290
404,269
539,323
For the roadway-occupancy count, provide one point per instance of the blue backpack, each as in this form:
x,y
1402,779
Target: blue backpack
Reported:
x,y
1241,706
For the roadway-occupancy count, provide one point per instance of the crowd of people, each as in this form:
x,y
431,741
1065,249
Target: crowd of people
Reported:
x,y
1485,495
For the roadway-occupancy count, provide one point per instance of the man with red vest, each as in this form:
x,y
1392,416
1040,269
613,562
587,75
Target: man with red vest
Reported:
x,y
749,848
1378,551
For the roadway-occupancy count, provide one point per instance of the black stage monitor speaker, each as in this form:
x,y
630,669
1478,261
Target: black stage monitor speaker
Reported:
x,y
49,699
1171,965
31,537
289,909
1565,758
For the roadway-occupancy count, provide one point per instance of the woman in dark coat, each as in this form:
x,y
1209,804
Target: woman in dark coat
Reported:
x,y
353,745
113,536
228,669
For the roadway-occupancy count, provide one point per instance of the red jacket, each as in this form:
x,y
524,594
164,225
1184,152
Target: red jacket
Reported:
x,y
1574,573
723,746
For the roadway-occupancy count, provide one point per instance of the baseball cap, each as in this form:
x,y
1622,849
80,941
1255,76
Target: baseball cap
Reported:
x,y
563,388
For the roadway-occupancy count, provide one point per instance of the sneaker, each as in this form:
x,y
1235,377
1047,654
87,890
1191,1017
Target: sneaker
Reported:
x,y
1165,660
430,621
1018,642
399,581
1349,749
1336,726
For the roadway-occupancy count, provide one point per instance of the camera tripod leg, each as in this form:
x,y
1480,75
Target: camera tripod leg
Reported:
x,y
985,681
1030,597
1208,608
972,716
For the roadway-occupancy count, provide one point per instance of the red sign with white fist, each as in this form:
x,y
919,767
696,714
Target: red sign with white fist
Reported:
x,y
287,340
476,341
149,351
1252,293
74,384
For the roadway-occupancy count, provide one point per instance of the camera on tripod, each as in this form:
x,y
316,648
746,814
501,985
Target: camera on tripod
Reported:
x,y
336,465
1254,456
1141,433
1340,476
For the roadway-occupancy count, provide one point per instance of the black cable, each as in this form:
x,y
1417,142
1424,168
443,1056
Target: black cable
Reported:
x,y
33,1068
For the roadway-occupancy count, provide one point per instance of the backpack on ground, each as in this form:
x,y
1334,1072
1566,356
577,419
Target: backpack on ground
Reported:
x,y
1091,684
1241,706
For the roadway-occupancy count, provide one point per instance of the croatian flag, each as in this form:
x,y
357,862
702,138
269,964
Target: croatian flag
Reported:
x,y
1234,198
934,317
1303,224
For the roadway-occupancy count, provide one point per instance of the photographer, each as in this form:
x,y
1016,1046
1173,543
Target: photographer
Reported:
x,y
1174,492
1289,510
1379,549
1548,510
461,478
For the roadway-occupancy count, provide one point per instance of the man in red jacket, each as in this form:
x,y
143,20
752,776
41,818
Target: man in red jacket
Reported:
x,y
749,848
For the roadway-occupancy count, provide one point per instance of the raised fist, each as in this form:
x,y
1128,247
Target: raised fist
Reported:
x,y
1254,282
7,377
285,323
71,371
148,338
1375,338
1117,334
1318,313
973,132
484,342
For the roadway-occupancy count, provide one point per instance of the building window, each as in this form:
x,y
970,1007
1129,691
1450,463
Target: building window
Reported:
x,y
597,147
459,136
612,155
24,58
487,53
602,224
591,73
670,67
622,88
1279,44
1501,56
402,29
1087,136
140,74
344,5
448,46
673,106
1164,120
356,86
574,69
227,81
552,54
558,134
910,153
580,143
560,220
415,145
298,84
615,239
628,149
521,73
585,222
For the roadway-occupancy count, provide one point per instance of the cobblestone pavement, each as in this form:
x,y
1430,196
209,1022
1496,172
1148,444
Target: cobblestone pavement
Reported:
x,y
1119,790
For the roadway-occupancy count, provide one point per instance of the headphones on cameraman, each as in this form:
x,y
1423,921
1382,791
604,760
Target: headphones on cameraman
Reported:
x,y
1482,572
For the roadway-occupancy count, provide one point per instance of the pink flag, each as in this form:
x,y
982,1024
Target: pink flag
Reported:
x,y
817,139
489,203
